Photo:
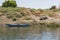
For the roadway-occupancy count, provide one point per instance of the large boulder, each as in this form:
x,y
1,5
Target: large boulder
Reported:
x,y
43,17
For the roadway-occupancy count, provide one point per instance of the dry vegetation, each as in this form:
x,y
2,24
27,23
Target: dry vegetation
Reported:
x,y
14,15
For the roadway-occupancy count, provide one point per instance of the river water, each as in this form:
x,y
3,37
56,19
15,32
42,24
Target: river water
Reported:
x,y
30,33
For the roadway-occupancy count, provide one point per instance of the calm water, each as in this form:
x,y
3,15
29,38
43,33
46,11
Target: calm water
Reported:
x,y
30,33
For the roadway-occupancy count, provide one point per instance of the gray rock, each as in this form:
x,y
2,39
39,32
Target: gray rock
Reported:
x,y
43,17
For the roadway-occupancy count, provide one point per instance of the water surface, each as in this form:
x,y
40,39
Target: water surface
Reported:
x,y
29,33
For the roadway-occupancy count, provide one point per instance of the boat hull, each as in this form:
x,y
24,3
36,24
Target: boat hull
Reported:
x,y
17,25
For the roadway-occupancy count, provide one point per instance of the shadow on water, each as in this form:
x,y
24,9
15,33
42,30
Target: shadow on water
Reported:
x,y
36,32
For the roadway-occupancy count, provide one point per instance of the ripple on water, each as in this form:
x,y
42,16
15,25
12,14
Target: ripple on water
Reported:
x,y
32,34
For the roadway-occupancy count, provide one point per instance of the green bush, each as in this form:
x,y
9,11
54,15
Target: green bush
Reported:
x,y
9,4
53,7
14,19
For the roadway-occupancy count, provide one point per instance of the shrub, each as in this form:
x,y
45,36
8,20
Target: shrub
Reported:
x,y
14,19
53,7
23,14
9,16
9,4
40,10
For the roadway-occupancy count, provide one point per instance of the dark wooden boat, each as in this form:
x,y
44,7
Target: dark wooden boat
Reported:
x,y
18,25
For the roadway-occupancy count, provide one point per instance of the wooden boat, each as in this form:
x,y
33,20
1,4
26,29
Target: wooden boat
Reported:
x,y
18,25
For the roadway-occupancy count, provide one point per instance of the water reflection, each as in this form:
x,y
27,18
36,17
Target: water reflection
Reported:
x,y
30,33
